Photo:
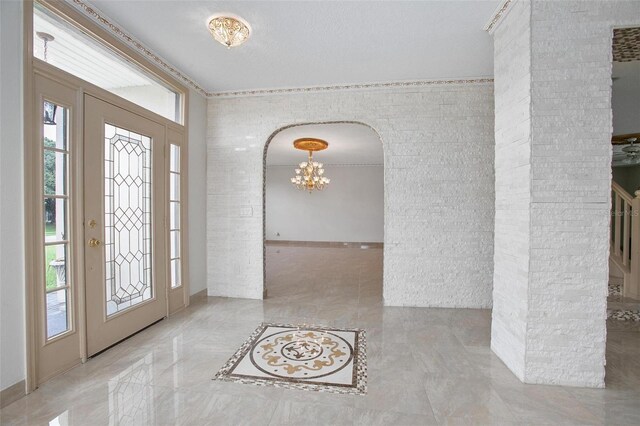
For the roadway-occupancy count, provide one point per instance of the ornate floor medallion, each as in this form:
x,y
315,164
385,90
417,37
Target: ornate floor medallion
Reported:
x,y
301,357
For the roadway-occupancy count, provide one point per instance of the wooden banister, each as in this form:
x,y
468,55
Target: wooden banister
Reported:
x,y
622,192
634,276
625,237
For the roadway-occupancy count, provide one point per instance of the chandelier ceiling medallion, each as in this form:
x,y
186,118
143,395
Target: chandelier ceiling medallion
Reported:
x,y
230,31
310,174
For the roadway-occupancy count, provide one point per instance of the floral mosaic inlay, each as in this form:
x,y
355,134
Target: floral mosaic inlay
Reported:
x,y
301,357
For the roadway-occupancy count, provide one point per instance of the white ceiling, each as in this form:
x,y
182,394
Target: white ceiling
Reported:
x,y
349,143
315,43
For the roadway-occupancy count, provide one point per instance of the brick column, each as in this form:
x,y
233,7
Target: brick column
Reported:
x,y
553,174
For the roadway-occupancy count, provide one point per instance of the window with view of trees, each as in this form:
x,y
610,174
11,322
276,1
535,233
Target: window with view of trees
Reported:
x,y
55,158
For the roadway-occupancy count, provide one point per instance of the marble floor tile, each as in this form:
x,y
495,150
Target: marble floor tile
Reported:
x,y
609,406
425,366
458,399
400,397
364,417
306,413
537,404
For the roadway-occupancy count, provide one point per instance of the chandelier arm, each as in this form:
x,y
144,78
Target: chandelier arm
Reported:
x,y
309,177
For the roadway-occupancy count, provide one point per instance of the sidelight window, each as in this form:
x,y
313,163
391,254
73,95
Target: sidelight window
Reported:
x,y
174,216
55,166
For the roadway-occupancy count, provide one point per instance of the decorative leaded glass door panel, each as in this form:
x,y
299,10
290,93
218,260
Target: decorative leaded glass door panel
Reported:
x,y
127,219
124,220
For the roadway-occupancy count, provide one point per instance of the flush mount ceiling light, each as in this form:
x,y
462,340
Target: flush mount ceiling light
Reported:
x,y
632,151
626,150
310,174
229,30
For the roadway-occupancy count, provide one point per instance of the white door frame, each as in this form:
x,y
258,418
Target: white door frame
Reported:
x,y
178,298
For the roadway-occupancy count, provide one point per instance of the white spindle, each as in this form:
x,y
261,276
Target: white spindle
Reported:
x,y
626,228
617,221
633,289
625,238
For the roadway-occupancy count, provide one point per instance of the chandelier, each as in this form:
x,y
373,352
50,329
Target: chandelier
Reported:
x,y
229,30
310,174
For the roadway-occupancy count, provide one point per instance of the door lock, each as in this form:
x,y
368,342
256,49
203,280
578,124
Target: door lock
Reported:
x,y
94,242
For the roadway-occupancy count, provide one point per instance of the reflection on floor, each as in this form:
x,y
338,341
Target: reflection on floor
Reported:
x,y
425,366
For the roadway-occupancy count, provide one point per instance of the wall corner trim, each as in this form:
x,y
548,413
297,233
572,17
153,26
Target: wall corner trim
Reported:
x,y
501,11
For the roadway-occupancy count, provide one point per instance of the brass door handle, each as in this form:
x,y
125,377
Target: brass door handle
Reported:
x,y
94,242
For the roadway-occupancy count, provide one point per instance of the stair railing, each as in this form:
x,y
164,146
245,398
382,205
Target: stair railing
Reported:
x,y
625,237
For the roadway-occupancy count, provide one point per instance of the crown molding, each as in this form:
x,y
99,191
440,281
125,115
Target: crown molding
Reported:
x,y
386,85
101,19
498,15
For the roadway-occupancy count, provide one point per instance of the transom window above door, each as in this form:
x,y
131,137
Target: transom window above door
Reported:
x,y
69,48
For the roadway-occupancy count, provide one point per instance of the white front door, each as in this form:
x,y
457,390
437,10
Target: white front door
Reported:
x,y
124,229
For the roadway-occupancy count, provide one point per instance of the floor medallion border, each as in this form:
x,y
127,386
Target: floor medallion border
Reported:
x,y
359,360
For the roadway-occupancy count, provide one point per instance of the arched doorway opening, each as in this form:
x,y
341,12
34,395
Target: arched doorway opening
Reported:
x,y
324,243
623,301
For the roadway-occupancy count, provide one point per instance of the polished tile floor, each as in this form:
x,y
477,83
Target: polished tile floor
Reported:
x,y
425,366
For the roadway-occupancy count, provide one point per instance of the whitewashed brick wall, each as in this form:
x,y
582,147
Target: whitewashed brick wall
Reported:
x,y
439,186
512,69
569,123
